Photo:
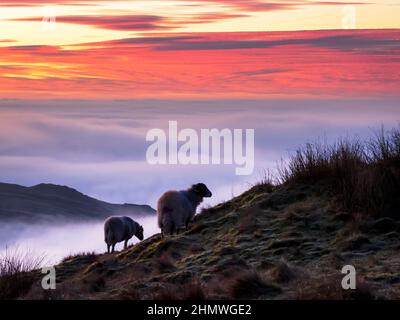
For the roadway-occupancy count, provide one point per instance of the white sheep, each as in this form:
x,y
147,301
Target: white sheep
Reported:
x,y
117,229
175,209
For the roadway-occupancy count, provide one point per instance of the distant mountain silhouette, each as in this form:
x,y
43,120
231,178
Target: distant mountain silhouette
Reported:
x,y
48,201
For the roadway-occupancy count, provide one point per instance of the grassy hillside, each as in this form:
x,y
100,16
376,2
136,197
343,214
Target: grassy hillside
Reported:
x,y
289,243
284,241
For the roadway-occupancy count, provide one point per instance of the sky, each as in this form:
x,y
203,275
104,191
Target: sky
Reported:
x,y
68,49
82,81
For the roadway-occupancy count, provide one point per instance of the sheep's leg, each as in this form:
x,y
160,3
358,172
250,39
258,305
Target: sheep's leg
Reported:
x,y
171,230
113,248
126,244
187,225
108,248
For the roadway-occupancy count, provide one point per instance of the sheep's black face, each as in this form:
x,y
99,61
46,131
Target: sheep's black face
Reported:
x,y
202,190
139,233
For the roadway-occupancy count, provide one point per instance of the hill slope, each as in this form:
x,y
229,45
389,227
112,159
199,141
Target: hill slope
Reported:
x,y
268,243
46,201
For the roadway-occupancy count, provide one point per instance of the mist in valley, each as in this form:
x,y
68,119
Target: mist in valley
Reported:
x,y
54,242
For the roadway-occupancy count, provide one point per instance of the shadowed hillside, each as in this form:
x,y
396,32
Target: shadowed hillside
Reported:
x,y
289,243
285,241
48,201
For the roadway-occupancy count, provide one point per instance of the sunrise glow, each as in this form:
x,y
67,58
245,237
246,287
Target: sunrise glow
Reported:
x,y
130,49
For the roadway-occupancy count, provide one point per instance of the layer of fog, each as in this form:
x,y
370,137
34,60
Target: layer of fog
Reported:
x,y
55,242
99,147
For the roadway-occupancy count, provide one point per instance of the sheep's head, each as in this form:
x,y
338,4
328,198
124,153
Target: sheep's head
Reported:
x,y
202,190
139,233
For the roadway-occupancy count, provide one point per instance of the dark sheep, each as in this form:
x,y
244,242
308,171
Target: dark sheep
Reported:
x,y
118,229
176,209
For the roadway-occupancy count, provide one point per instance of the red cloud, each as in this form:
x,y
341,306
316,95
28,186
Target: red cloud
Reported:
x,y
252,64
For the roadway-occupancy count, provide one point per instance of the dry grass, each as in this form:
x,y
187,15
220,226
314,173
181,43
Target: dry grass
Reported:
x,y
330,288
267,181
250,285
90,256
248,222
365,175
16,273
164,263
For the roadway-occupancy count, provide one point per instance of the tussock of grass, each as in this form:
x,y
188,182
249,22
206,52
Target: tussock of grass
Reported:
x,y
250,285
16,273
89,256
266,182
365,175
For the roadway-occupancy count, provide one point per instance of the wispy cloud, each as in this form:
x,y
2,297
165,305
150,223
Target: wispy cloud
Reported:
x,y
354,42
113,22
